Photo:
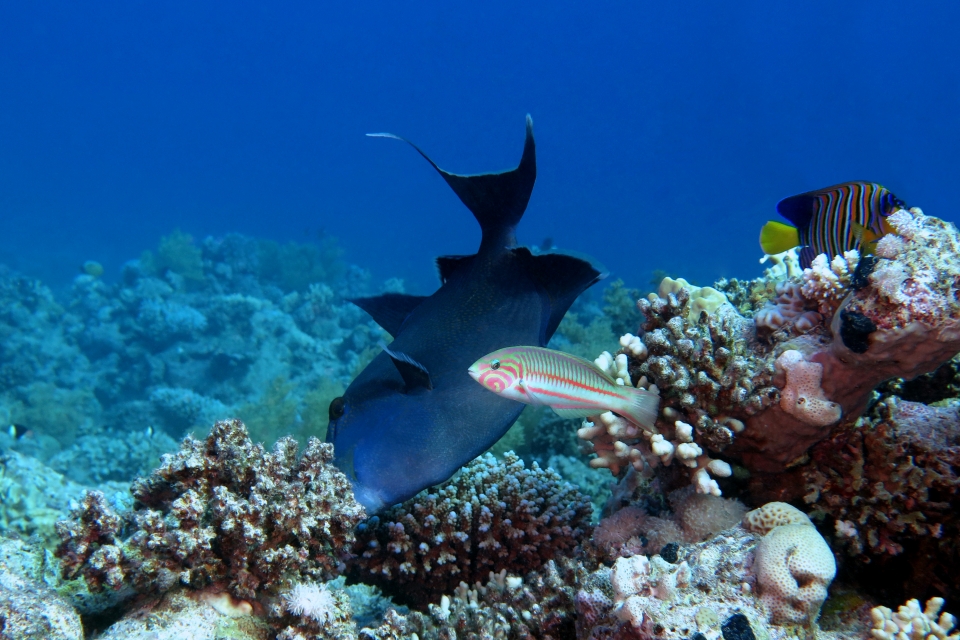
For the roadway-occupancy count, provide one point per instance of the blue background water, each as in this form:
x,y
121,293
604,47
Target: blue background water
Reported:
x,y
666,134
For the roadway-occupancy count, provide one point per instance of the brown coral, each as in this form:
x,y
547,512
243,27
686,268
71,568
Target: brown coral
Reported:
x,y
890,487
493,516
221,510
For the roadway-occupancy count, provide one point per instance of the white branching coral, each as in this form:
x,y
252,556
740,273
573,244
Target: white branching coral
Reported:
x,y
912,623
618,443
828,282
783,266
311,600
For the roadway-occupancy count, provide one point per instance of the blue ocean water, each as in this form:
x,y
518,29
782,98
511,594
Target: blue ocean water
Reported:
x,y
666,131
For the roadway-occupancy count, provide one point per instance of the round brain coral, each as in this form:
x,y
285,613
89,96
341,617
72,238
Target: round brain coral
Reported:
x,y
793,563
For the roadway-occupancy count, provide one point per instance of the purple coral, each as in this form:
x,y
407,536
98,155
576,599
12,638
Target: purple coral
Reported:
x,y
493,516
221,510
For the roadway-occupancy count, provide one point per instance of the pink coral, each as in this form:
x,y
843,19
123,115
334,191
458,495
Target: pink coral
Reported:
x,y
789,309
802,396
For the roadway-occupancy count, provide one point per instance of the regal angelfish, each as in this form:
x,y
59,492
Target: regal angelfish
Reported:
x,y
832,220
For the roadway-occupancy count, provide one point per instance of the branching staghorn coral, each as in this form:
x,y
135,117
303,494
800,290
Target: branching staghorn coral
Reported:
x,y
222,510
493,516
700,358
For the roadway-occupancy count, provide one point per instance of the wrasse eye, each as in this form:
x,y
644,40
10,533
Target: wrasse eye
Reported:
x,y
495,365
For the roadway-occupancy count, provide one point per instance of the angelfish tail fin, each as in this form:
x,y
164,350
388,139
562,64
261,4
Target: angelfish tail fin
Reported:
x,y
642,409
497,200
777,237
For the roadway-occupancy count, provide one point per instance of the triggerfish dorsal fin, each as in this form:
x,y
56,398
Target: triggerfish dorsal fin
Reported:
x,y
389,310
448,265
414,374
497,200
560,278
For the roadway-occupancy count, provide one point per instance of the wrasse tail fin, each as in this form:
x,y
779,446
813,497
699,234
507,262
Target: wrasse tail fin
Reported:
x,y
642,410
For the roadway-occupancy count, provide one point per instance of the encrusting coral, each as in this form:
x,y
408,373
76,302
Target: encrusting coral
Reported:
x,y
493,516
888,486
222,511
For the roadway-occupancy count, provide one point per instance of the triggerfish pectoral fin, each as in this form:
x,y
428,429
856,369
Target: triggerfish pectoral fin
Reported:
x,y
414,374
777,237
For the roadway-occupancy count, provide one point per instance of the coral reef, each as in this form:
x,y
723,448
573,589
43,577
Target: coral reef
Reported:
x,y
190,334
793,564
492,517
32,611
540,605
910,621
726,392
222,510
889,488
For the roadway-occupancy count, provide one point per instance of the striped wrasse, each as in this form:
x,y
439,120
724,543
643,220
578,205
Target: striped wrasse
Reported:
x,y
571,386
832,220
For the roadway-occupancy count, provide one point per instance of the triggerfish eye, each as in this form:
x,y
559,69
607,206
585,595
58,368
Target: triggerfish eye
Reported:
x,y
336,408
495,365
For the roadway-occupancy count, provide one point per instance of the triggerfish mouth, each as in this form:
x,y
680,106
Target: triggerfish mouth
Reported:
x,y
846,216
571,386
413,416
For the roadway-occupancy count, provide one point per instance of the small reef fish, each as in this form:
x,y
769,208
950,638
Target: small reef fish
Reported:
x,y
413,416
832,220
92,268
18,431
571,386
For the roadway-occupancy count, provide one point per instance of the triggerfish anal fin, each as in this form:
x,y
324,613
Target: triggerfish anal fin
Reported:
x,y
414,374
497,200
561,279
390,309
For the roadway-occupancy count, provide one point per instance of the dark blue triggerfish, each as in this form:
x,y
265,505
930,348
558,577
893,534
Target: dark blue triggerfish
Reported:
x,y
414,415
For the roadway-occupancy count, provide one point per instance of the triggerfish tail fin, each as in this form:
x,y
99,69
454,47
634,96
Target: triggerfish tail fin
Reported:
x,y
497,200
643,409
777,237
